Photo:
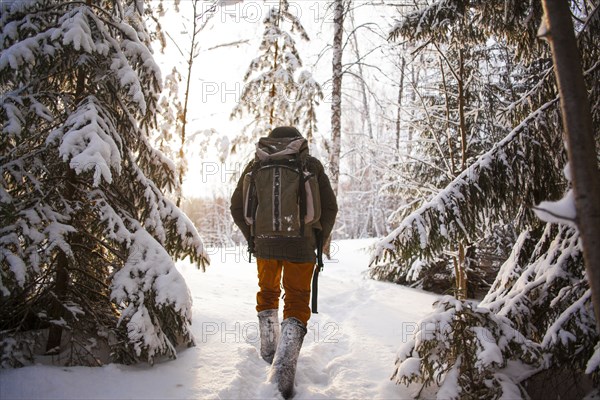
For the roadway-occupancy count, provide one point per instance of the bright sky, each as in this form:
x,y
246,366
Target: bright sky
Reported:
x,y
217,77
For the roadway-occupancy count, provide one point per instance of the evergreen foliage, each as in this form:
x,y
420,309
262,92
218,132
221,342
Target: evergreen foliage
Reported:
x,y
468,21
87,235
466,207
467,96
541,289
466,347
276,91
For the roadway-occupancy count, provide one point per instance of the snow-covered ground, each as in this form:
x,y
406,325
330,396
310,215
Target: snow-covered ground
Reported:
x,y
349,350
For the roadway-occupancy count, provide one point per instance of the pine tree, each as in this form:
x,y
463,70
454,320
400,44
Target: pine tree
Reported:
x,y
87,238
463,84
541,288
309,95
468,347
273,94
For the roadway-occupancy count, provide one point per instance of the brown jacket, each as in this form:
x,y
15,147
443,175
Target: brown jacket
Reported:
x,y
291,249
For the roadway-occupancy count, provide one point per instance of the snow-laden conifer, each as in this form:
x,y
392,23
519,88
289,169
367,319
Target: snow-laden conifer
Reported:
x,y
277,91
469,351
88,237
541,290
465,89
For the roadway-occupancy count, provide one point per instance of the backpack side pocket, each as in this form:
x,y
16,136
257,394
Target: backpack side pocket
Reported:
x,y
249,199
313,199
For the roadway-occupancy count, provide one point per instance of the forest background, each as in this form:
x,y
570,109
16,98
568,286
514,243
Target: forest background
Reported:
x,y
439,123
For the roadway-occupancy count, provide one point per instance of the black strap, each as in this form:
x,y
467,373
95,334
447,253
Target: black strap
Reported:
x,y
251,210
301,194
315,279
315,290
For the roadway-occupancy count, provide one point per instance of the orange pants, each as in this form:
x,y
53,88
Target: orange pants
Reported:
x,y
296,284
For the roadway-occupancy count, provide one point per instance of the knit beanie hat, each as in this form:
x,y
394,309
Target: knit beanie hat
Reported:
x,y
284,132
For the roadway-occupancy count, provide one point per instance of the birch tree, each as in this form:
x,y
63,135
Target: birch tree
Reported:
x,y
336,94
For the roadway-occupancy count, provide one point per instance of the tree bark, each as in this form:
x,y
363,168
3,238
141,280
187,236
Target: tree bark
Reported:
x,y
399,115
363,85
415,78
56,310
462,273
61,277
461,112
448,135
186,98
336,98
273,91
581,149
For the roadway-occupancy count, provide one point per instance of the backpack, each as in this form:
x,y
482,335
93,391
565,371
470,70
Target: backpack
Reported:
x,y
280,196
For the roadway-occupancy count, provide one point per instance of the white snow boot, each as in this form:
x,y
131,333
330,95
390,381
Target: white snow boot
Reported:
x,y
268,323
283,370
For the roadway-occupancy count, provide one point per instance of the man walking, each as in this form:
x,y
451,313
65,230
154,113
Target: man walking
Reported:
x,y
276,206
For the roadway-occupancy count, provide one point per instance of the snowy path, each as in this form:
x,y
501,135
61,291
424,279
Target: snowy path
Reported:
x,y
349,350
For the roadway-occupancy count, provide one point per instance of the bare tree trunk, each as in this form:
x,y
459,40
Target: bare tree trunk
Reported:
x,y
273,91
363,85
581,148
461,111
61,278
460,272
61,284
447,100
336,98
399,115
462,267
415,77
191,57
456,277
